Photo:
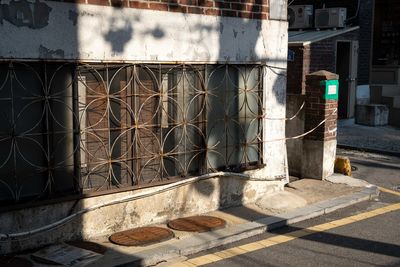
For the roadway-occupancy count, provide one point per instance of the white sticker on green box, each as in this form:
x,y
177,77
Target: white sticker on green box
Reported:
x,y
331,89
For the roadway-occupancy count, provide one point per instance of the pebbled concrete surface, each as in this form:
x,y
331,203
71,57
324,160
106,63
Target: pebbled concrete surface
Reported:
x,y
385,138
381,170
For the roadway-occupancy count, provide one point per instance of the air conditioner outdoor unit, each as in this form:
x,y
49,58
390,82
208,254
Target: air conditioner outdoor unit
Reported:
x,y
330,17
300,16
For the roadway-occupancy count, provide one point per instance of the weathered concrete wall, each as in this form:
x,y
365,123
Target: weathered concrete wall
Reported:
x,y
104,34
295,127
318,158
274,149
96,33
190,199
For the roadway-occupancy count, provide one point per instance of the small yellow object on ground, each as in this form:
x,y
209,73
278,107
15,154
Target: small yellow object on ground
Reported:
x,y
342,165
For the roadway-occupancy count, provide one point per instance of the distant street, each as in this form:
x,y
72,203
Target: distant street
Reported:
x,y
370,239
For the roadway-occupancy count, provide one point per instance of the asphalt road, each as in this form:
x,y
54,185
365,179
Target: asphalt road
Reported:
x,y
369,242
377,169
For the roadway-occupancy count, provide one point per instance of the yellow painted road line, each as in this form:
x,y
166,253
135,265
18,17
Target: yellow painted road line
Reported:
x,y
279,239
389,191
322,227
267,243
206,259
252,246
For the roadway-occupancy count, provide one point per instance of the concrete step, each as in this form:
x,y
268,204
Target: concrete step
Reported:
x,y
391,101
377,91
394,117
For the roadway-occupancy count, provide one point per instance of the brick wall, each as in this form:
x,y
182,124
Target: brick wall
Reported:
x,y
254,9
314,57
364,19
317,112
323,53
318,109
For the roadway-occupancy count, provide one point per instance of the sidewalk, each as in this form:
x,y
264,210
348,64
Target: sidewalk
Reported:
x,y
384,139
301,200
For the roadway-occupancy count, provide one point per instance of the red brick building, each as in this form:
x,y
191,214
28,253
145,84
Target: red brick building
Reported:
x,y
332,50
377,77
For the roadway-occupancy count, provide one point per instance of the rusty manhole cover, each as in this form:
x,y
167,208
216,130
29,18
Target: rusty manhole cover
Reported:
x,y
6,261
141,236
197,224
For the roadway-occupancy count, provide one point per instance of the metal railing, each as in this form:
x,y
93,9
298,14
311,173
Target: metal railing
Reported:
x,y
69,129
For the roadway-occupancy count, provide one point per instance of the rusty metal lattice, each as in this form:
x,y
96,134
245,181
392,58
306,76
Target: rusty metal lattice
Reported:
x,y
76,128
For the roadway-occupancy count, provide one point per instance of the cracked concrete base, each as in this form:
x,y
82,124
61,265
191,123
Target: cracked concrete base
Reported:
x,y
304,192
279,201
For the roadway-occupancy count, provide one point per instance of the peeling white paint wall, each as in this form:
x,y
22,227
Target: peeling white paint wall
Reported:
x,y
275,155
97,33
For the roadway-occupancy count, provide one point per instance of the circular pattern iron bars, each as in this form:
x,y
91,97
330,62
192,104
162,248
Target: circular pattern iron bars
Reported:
x,y
80,128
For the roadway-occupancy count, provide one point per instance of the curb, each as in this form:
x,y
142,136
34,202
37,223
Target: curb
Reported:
x,y
370,150
203,241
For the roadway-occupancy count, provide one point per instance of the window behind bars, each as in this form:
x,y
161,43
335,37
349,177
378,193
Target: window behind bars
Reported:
x,y
68,129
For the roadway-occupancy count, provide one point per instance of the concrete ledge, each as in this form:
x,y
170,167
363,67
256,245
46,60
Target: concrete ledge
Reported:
x,y
203,241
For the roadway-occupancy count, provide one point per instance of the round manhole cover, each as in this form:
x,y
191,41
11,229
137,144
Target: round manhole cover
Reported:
x,y
89,246
14,262
141,236
197,224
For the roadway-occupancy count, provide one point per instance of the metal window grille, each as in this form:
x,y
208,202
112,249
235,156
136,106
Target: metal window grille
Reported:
x,y
70,129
